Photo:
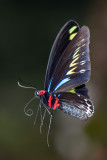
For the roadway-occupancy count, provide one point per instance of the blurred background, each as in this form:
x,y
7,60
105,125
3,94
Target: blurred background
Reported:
x,y
27,31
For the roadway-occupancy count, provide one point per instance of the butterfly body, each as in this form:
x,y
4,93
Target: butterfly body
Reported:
x,y
68,70
51,101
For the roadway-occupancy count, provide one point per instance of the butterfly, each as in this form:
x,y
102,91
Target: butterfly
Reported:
x,y
68,70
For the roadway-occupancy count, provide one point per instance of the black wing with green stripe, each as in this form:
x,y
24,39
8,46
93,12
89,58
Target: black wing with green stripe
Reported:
x,y
67,32
72,67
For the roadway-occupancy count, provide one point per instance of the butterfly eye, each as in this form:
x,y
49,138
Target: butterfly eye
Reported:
x,y
37,93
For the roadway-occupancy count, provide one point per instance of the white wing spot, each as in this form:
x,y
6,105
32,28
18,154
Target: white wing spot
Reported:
x,y
89,112
80,42
83,53
83,45
85,100
82,70
82,62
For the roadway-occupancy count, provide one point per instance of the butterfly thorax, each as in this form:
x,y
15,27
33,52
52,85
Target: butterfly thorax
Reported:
x,y
50,100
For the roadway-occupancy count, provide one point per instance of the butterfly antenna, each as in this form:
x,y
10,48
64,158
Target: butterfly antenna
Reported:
x,y
42,121
23,86
49,130
29,112
39,106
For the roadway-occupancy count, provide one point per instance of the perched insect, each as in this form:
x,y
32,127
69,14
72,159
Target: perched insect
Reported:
x,y
67,72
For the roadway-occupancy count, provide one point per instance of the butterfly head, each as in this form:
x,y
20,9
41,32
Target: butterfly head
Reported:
x,y
39,93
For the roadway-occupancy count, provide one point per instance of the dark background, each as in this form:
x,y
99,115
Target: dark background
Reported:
x,y
27,31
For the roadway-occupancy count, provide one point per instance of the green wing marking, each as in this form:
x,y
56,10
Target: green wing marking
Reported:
x,y
71,30
72,90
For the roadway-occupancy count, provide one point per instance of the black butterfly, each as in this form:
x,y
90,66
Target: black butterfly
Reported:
x,y
67,72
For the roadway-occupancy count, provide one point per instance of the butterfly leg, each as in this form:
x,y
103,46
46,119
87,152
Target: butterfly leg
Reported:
x,y
39,107
42,121
49,129
47,110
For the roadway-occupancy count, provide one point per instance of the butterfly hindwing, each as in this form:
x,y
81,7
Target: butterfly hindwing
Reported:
x,y
76,105
82,90
68,31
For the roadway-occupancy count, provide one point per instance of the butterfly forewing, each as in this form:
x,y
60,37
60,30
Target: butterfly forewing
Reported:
x,y
73,67
68,31
75,105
